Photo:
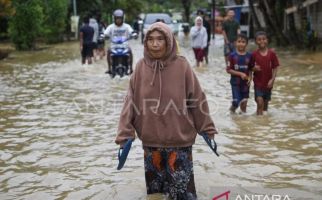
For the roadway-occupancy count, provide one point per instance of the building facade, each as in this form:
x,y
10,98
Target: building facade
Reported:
x,y
307,16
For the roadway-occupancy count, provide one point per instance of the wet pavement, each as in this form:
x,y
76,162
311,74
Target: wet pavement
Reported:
x,y
58,122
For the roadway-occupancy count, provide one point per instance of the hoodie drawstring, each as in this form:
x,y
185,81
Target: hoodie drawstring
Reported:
x,y
157,65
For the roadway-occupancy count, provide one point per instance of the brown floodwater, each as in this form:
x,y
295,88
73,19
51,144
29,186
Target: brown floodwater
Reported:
x,y
58,121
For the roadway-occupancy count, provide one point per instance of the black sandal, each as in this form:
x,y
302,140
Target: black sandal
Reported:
x,y
211,143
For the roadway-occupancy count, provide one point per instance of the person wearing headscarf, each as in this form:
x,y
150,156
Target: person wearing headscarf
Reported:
x,y
167,108
198,34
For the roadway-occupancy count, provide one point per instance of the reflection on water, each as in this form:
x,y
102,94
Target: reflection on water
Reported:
x,y
58,123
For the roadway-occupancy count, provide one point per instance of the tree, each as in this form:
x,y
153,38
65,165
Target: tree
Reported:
x,y
131,8
186,7
26,24
254,15
274,20
274,15
106,7
6,10
55,12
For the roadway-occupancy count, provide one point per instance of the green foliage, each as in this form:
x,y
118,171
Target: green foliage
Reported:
x,y
131,8
156,8
221,9
280,9
25,24
55,20
6,8
3,27
86,7
48,19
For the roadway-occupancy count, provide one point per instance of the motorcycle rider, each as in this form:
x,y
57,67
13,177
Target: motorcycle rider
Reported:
x,y
118,28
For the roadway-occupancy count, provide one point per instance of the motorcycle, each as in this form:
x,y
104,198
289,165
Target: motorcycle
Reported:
x,y
120,56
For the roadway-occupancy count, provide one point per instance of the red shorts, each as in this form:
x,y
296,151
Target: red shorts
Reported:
x,y
199,54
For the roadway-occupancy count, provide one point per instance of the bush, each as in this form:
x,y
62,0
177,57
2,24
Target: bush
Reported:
x,y
25,24
55,20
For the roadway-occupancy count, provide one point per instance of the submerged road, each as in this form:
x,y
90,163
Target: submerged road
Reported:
x,y
58,121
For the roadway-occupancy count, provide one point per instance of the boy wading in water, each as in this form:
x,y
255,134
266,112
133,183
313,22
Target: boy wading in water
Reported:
x,y
230,30
265,64
166,107
240,69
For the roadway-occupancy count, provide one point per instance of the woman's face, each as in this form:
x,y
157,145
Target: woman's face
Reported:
x,y
199,22
157,45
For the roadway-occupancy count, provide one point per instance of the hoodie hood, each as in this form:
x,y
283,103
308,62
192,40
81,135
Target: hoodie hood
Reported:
x,y
171,46
198,18
165,104
157,65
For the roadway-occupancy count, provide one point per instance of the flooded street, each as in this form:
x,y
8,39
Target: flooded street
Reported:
x,y
58,122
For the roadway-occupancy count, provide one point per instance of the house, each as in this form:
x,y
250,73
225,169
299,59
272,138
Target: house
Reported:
x,y
307,16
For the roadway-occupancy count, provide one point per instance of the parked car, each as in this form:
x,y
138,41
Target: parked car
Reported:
x,y
150,18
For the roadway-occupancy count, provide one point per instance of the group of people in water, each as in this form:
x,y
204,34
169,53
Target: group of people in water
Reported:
x,y
244,67
166,108
93,33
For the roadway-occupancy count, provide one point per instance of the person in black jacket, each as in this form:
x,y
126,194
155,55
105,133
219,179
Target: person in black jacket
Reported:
x,y
206,24
86,34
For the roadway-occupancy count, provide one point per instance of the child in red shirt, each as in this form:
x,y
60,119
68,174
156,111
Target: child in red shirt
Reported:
x,y
265,64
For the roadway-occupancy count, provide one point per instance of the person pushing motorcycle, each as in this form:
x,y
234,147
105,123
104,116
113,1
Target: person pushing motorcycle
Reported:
x,y
117,29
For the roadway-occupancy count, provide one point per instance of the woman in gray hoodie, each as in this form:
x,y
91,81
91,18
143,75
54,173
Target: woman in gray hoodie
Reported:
x,y
167,108
198,34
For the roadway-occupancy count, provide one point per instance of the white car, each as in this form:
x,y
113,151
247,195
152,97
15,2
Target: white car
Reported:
x,y
150,18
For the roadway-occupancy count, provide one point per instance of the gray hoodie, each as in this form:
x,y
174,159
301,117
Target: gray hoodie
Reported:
x,y
198,35
93,23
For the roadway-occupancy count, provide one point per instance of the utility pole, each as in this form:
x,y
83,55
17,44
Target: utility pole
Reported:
x,y
75,20
74,7
213,19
